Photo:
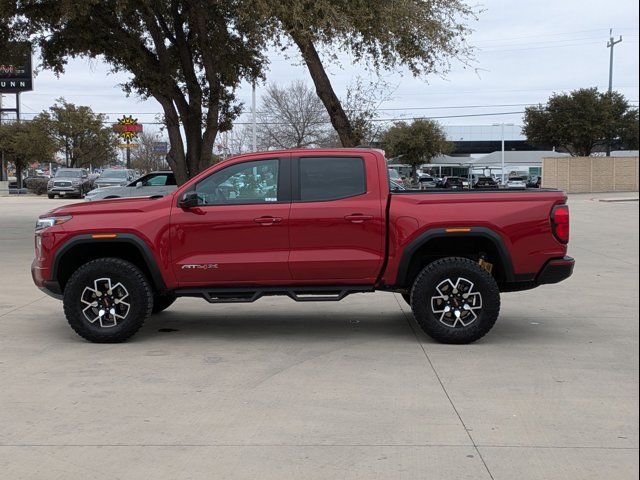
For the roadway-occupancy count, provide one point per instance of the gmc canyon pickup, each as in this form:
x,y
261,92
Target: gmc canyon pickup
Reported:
x,y
315,225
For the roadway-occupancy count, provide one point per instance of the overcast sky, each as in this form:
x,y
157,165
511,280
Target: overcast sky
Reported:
x,y
525,50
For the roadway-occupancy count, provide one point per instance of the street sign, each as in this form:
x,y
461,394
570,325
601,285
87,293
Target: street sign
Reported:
x,y
15,68
127,128
160,148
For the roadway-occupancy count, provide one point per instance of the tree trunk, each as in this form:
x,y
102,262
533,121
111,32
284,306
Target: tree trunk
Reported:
x,y
325,91
19,174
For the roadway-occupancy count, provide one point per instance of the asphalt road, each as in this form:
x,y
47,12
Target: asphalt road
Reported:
x,y
349,390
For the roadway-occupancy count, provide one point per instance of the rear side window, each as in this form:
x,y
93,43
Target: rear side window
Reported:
x,y
327,178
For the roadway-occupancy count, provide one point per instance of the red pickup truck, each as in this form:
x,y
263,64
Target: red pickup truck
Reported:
x,y
315,225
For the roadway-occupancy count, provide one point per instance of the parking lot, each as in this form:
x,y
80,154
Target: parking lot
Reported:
x,y
350,390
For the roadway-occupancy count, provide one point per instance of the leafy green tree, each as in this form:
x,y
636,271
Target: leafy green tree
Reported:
x,y
582,122
82,136
422,35
189,55
26,142
416,143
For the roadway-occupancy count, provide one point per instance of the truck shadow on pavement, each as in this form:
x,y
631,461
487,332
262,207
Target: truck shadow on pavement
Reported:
x,y
314,327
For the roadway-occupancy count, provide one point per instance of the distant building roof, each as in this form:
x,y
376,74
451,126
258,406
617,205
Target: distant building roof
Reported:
x,y
533,157
512,158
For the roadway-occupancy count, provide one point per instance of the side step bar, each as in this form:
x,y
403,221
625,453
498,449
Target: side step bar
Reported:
x,y
251,294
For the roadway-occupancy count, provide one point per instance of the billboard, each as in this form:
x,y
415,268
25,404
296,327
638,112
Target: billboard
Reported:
x,y
15,68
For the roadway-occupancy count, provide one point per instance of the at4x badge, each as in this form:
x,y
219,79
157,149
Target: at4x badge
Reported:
x,y
200,266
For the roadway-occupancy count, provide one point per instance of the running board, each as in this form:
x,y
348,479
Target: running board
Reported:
x,y
251,294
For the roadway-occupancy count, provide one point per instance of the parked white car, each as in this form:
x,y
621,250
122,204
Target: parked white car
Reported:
x,y
517,182
154,183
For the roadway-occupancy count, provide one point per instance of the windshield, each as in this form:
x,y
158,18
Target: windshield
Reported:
x,y
114,174
393,174
68,173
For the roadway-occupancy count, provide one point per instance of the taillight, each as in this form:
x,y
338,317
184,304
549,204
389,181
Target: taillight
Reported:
x,y
560,223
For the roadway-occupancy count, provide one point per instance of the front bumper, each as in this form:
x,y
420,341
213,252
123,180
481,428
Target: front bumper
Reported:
x,y
556,270
64,191
40,276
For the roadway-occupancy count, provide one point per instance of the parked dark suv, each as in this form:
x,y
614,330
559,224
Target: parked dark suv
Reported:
x,y
69,182
486,183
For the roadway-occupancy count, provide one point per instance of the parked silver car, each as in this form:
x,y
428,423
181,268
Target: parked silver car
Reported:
x,y
114,177
154,183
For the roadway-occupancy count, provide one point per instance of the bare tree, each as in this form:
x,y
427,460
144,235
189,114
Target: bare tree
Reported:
x,y
362,104
145,157
291,117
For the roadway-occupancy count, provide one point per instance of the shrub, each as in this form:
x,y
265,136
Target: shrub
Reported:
x,y
36,185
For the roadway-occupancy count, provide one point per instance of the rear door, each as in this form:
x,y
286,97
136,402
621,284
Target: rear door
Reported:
x,y
337,226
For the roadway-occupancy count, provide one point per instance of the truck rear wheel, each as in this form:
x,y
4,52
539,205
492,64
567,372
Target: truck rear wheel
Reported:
x,y
454,300
107,300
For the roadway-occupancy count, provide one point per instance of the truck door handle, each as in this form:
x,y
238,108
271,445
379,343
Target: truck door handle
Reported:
x,y
267,220
358,218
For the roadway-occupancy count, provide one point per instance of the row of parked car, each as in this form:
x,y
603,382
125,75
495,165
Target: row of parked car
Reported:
x,y
111,183
454,183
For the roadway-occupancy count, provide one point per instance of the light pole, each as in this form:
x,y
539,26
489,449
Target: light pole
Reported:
x,y
502,125
610,44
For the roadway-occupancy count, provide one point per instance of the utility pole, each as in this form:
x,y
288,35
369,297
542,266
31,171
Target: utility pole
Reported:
x,y
254,143
2,167
610,44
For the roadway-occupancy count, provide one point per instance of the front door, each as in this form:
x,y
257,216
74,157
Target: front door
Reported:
x,y
238,233
337,220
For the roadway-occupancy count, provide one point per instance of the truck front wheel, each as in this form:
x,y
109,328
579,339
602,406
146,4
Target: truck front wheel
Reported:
x,y
107,300
454,300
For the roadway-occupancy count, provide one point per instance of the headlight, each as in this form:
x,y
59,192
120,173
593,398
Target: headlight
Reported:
x,y
46,222
75,182
50,183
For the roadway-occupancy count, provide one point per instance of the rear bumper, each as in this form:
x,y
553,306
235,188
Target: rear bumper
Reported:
x,y
556,270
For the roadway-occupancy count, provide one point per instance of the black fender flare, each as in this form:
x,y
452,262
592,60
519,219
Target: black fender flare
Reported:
x,y
129,238
433,233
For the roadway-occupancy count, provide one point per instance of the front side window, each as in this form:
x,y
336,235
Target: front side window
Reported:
x,y
242,183
331,178
157,180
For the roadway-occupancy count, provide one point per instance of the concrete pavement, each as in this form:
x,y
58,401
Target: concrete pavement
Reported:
x,y
349,390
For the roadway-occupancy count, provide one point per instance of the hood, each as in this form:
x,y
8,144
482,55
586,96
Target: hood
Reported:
x,y
108,188
111,181
65,179
114,205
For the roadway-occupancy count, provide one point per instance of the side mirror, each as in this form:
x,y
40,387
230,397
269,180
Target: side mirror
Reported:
x,y
189,200
138,184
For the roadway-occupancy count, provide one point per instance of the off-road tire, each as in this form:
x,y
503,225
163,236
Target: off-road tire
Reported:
x,y
425,288
140,299
162,302
51,196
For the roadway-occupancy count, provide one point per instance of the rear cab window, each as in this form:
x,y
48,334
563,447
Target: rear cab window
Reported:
x,y
331,178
